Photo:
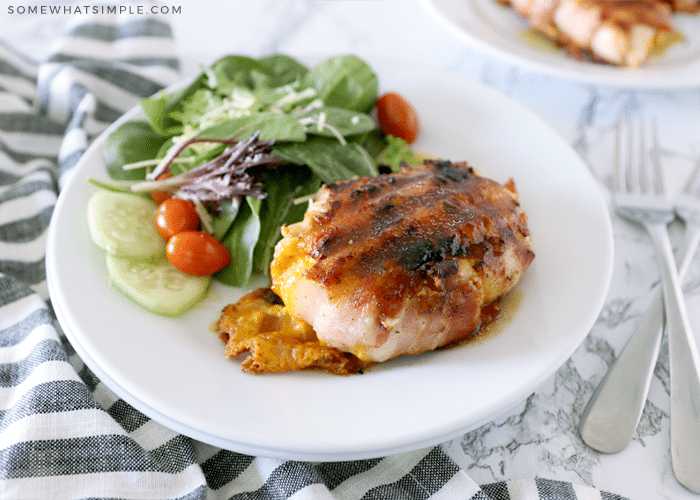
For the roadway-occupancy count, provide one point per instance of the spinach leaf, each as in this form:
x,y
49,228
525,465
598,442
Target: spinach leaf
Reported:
x,y
284,70
328,158
271,126
344,121
241,71
279,208
130,142
345,82
223,220
240,241
374,142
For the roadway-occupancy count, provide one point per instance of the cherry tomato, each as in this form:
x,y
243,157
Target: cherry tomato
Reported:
x,y
175,215
160,196
197,253
397,117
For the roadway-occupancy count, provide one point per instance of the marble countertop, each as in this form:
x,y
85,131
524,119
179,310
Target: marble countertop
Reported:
x,y
539,437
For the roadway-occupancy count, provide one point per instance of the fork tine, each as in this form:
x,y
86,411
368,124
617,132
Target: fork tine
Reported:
x,y
692,186
624,178
651,172
651,177
638,168
658,169
636,165
646,176
631,166
638,178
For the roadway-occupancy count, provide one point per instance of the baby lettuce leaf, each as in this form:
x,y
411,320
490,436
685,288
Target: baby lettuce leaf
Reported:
x,y
130,142
160,107
345,82
397,152
196,105
231,72
165,111
240,241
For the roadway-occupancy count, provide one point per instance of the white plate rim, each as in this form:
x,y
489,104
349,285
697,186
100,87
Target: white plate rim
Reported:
x,y
311,446
458,18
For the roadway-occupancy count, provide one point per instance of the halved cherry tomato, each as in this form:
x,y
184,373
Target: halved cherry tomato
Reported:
x,y
160,196
175,215
397,117
197,253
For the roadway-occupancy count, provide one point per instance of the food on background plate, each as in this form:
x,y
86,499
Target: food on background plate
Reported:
x,y
385,266
624,33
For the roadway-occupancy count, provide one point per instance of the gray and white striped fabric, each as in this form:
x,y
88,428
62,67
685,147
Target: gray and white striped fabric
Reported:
x,y
63,434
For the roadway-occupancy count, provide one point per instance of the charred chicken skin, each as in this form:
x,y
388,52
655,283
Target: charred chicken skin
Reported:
x,y
404,262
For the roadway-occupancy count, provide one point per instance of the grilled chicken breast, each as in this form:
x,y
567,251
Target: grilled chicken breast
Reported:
x,y
404,262
619,32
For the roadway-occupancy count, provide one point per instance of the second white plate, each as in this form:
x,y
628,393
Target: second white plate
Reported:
x,y
498,30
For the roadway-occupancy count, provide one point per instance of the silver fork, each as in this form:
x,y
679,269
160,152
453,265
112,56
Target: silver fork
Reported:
x,y
640,197
613,412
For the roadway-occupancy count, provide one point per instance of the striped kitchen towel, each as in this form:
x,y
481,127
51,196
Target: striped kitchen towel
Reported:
x,y
63,434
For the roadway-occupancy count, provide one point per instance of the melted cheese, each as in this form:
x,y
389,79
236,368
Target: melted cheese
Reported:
x,y
276,342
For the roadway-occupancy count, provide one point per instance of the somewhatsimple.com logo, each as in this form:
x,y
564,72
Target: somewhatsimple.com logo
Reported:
x,y
93,9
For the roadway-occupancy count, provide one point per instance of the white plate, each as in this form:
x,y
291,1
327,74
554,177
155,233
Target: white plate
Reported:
x,y
174,370
498,30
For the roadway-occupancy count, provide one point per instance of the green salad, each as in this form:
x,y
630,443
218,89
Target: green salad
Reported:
x,y
299,126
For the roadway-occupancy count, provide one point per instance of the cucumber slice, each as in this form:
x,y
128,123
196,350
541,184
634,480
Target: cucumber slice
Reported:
x,y
156,285
122,224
